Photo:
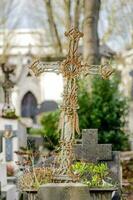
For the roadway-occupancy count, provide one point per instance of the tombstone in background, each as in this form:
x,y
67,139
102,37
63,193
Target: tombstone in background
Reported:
x,y
35,140
89,150
14,136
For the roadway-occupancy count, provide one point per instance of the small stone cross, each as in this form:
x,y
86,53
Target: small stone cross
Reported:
x,y
90,150
8,134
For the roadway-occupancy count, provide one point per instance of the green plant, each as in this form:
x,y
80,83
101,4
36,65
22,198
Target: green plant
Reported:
x,y
104,107
94,175
49,129
10,114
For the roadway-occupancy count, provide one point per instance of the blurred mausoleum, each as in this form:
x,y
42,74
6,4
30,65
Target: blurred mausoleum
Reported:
x,y
19,48
124,62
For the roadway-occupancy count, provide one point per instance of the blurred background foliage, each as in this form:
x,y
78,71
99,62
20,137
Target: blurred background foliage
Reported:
x,y
103,107
48,130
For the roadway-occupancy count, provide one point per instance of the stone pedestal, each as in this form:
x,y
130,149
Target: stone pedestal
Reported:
x,y
8,190
64,191
89,150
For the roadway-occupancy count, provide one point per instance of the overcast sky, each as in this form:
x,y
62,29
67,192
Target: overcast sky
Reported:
x,y
31,14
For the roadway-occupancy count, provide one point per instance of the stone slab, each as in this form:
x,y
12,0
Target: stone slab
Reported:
x,y
64,191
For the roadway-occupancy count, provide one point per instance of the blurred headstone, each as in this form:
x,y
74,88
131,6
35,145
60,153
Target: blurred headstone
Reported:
x,y
89,150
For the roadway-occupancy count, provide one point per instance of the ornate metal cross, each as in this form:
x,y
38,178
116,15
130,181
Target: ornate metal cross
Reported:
x,y
71,69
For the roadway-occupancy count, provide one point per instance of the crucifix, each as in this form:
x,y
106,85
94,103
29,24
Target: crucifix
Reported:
x,y
71,69
7,86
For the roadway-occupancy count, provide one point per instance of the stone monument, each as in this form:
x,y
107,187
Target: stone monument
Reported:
x,y
13,133
13,136
8,191
71,69
89,150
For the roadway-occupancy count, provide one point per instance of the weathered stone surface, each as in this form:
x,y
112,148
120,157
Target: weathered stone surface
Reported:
x,y
90,150
11,192
64,191
18,138
115,167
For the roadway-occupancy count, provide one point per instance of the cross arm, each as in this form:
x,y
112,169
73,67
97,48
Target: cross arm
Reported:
x,y
38,67
104,70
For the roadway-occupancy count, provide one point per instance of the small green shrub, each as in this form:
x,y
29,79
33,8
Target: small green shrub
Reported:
x,y
94,175
49,129
9,114
104,108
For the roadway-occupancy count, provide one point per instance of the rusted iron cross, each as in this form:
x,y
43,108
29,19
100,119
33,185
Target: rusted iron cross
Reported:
x,y
71,69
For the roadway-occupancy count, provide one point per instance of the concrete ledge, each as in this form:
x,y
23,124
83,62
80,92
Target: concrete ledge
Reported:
x,y
64,191
10,191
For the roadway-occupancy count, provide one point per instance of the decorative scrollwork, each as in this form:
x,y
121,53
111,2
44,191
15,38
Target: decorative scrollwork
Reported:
x,y
71,69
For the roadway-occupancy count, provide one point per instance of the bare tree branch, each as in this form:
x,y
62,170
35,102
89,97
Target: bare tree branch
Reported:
x,y
67,9
77,10
53,28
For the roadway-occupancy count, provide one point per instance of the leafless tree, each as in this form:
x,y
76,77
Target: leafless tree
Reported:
x,y
119,21
90,29
53,28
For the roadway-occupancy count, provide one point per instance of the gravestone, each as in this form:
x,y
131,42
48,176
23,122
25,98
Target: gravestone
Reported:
x,y
14,136
89,150
9,149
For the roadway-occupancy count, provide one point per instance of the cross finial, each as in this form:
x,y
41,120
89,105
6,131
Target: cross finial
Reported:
x,y
74,34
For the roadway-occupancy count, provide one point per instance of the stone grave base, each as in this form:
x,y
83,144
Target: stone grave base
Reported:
x,y
64,191
10,192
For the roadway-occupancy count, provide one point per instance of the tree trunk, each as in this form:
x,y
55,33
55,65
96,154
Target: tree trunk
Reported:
x,y
77,13
67,6
90,29
53,29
